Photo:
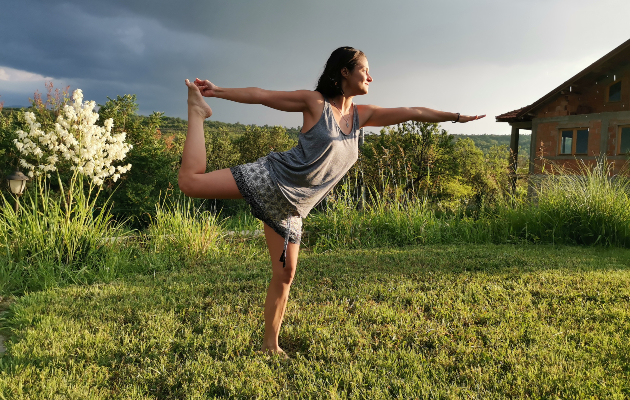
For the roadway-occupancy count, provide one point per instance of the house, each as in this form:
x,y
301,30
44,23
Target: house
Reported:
x,y
583,118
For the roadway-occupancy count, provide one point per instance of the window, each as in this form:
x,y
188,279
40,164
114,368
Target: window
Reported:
x,y
614,92
624,140
574,141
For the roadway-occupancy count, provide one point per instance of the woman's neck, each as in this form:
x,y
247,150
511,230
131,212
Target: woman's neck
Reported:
x,y
343,103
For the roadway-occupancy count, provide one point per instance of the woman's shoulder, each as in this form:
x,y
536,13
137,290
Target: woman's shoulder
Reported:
x,y
314,96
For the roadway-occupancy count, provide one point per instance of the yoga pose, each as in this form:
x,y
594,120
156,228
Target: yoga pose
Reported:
x,y
281,188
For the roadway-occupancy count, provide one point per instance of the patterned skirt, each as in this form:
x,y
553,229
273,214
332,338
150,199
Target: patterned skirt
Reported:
x,y
267,202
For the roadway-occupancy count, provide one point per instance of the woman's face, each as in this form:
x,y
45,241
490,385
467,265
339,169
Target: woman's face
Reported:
x,y
358,81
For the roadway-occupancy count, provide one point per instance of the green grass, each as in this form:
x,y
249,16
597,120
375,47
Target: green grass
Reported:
x,y
454,321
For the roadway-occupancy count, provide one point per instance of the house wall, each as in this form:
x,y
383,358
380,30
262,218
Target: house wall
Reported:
x,y
603,136
589,99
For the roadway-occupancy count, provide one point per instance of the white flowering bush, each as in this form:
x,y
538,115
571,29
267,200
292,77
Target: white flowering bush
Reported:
x,y
88,149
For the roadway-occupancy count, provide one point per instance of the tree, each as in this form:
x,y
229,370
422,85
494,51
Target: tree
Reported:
x,y
154,162
414,157
259,141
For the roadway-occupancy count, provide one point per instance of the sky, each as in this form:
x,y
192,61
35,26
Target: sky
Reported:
x,y
474,57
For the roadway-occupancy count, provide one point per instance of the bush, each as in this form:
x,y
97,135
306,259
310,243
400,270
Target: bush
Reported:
x,y
420,160
155,162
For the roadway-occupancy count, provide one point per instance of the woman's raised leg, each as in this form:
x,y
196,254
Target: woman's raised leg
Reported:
x,y
278,291
193,179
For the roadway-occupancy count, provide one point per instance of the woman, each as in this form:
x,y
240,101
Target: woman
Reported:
x,y
282,188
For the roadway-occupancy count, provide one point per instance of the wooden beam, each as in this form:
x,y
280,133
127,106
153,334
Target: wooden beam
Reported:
x,y
514,156
522,125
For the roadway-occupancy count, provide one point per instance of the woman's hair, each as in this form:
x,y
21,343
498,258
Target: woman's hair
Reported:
x,y
329,83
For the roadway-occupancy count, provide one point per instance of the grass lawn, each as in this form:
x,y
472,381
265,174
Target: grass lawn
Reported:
x,y
449,321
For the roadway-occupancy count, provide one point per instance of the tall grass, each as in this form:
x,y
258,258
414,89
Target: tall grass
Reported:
x,y
584,207
185,232
386,221
55,237
54,241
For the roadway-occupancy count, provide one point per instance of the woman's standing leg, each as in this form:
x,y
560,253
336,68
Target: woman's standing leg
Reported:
x,y
195,182
278,291
193,179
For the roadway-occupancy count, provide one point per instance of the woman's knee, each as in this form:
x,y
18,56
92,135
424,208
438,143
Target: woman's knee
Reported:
x,y
285,275
184,181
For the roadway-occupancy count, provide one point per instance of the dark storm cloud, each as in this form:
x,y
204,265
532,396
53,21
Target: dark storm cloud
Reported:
x,y
148,47
111,53
104,37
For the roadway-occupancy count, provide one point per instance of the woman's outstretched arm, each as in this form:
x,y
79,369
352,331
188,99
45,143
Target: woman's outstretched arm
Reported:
x,y
376,116
295,101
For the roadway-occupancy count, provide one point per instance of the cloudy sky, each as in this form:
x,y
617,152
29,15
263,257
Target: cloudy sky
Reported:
x,y
474,57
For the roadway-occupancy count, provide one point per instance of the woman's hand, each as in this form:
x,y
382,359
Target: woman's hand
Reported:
x,y
206,87
467,118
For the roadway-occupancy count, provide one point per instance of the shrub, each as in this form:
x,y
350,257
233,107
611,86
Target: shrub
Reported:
x,y
60,233
155,162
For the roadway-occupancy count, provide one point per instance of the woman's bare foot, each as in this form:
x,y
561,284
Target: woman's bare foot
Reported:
x,y
196,103
274,352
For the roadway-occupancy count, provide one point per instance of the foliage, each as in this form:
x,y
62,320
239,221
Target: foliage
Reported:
x,y
13,120
484,174
155,162
586,206
221,152
486,142
60,230
406,221
257,142
173,125
420,160
412,156
55,238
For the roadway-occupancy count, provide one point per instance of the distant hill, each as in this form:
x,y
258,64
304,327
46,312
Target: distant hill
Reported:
x,y
14,107
485,142
172,125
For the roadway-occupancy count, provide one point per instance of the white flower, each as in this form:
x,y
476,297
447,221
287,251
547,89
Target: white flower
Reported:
x,y
89,149
77,96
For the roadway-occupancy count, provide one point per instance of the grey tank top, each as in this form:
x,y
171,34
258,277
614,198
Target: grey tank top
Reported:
x,y
309,171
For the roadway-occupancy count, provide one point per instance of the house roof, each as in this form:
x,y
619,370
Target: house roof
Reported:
x,y
510,116
594,72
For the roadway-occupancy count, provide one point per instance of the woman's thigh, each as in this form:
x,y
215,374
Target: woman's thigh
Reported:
x,y
218,184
